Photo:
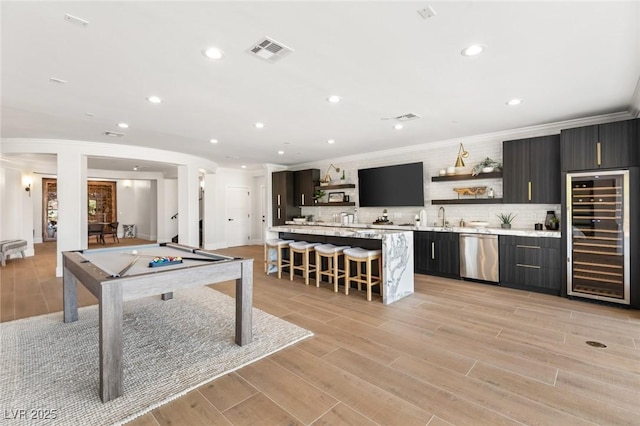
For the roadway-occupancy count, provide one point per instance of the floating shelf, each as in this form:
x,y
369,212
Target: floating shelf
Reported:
x,y
469,201
339,186
350,203
492,175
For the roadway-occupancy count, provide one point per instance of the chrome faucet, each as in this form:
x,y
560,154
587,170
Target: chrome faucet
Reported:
x,y
443,221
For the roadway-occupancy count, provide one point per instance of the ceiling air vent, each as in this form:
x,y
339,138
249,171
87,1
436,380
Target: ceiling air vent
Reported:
x,y
269,50
407,117
404,117
114,134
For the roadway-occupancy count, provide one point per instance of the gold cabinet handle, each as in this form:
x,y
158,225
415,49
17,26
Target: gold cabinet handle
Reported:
x,y
529,247
433,250
278,212
303,199
529,190
278,202
599,153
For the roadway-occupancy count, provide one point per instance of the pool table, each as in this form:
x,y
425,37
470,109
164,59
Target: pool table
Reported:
x,y
118,274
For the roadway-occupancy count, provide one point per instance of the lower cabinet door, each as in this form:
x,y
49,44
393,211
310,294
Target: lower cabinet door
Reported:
x,y
530,263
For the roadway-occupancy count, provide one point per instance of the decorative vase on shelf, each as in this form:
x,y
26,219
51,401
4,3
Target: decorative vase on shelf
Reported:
x,y
505,225
551,222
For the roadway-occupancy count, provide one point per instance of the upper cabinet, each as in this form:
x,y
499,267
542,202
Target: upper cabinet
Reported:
x,y
305,184
531,171
602,146
283,200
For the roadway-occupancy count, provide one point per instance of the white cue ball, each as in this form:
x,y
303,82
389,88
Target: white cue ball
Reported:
x,y
135,252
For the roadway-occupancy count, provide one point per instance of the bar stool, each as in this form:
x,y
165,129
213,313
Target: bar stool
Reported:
x,y
332,254
278,245
303,248
363,258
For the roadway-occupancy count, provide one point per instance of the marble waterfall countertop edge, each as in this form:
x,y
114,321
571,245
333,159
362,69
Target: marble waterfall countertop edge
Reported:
x,y
365,230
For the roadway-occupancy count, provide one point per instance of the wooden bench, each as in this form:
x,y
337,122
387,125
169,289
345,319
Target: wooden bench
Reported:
x,y
9,247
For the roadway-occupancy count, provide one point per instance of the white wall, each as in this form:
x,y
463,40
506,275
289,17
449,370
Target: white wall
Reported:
x,y
16,214
215,220
170,208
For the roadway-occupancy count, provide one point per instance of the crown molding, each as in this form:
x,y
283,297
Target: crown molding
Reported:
x,y
634,104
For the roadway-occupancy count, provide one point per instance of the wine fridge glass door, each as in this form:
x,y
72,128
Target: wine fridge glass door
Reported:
x,y
598,243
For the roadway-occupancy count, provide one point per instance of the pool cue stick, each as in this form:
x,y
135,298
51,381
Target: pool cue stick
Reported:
x,y
126,268
204,259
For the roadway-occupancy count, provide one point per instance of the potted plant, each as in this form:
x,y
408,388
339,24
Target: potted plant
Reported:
x,y
554,224
486,166
506,219
317,194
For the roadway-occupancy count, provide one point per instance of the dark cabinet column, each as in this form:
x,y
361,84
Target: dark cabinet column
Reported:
x,y
283,197
305,183
515,172
544,169
531,170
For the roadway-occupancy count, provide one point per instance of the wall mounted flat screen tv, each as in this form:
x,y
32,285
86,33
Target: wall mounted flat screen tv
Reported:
x,y
391,186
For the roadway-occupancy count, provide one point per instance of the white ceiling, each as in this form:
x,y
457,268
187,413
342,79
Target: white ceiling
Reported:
x,y
564,59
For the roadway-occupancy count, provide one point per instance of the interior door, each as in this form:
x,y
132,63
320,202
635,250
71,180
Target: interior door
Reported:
x,y
263,213
238,229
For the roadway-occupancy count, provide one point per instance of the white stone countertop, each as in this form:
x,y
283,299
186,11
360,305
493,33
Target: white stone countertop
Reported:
x,y
363,230
338,230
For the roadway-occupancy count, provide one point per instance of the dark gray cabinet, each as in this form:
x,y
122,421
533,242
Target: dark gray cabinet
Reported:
x,y
305,183
283,197
436,253
531,263
531,171
602,146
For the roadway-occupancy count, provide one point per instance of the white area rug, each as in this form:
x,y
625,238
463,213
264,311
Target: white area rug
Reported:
x,y
50,369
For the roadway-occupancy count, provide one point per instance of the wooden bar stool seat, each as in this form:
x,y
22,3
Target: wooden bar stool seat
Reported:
x,y
333,272
363,258
274,259
304,249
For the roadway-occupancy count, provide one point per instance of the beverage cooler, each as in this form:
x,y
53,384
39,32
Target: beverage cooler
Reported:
x,y
597,212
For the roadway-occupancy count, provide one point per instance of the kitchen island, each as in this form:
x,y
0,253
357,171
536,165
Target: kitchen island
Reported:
x,y
396,246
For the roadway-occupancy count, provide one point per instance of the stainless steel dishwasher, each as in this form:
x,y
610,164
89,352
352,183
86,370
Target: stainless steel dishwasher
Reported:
x,y
479,257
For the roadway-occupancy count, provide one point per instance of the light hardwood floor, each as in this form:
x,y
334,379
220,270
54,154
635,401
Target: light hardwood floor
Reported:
x,y
455,352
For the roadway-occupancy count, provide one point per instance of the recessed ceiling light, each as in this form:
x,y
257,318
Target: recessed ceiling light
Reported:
x,y
334,99
280,152
243,166
213,53
135,168
213,140
473,50
123,125
154,99
514,102
398,126
331,141
259,125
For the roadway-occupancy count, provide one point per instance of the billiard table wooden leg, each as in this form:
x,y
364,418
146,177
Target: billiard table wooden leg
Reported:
x,y
110,341
244,305
69,296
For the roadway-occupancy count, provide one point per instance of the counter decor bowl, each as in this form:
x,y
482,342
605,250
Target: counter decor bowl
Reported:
x,y
478,224
487,169
300,219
